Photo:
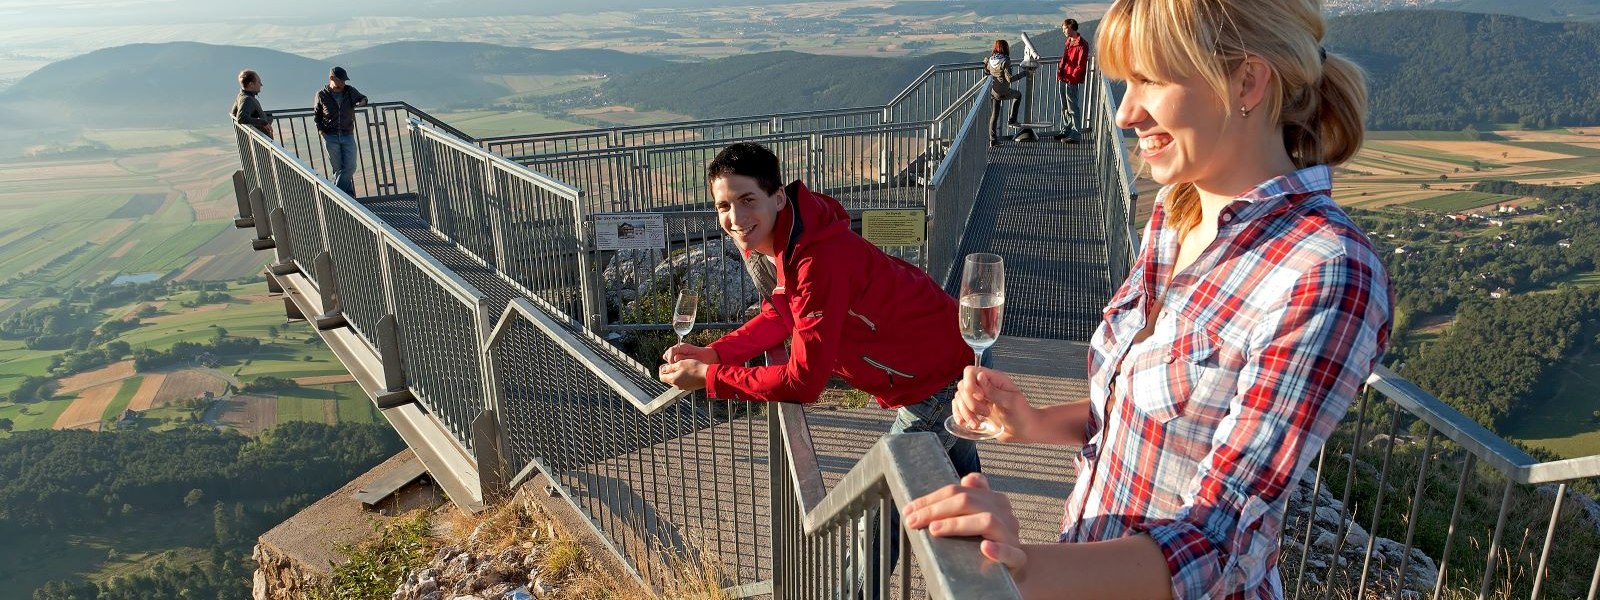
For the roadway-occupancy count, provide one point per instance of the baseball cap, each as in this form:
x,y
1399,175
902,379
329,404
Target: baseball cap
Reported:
x,y
339,73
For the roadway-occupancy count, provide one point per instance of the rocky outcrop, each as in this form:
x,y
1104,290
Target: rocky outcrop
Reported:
x,y
639,283
280,577
1345,560
457,574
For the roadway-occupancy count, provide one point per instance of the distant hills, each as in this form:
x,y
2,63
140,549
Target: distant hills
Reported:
x,y
767,82
1428,69
1543,10
189,84
1448,70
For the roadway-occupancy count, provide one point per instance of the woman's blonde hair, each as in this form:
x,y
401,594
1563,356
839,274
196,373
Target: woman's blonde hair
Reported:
x,y
1320,102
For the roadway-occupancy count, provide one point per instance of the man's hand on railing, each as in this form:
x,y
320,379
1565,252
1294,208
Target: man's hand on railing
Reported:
x,y
971,509
683,351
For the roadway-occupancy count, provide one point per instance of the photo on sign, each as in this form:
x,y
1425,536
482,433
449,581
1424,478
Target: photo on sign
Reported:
x,y
628,230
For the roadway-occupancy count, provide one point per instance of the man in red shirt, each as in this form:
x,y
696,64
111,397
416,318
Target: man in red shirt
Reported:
x,y
847,308
1069,79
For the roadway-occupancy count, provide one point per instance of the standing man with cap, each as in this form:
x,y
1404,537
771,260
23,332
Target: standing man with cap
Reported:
x,y
335,115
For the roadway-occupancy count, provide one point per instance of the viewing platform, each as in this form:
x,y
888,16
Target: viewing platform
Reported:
x,y
468,288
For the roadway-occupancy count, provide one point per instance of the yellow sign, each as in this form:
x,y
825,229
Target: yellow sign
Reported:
x,y
894,227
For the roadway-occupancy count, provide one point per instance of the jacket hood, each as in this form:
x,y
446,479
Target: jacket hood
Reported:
x,y
809,219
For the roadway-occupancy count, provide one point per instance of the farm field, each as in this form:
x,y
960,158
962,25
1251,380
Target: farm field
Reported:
x,y
1564,423
1433,171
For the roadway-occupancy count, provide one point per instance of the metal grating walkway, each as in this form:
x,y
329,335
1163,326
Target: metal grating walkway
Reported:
x,y
1039,209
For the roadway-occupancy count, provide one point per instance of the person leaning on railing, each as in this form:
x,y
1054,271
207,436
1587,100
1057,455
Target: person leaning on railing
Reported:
x,y
1254,312
246,108
847,308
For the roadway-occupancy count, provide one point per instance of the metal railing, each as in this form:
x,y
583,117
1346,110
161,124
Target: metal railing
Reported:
x,y
1410,498
669,479
384,156
436,318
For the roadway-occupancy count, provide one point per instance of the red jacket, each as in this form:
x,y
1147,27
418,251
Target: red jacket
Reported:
x,y
1074,61
876,321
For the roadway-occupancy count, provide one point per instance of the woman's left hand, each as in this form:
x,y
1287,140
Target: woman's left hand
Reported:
x,y
971,509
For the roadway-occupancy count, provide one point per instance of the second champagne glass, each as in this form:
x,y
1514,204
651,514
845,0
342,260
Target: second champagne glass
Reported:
x,y
983,301
683,313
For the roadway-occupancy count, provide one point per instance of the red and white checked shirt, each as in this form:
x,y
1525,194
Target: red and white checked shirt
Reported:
x,y
1257,352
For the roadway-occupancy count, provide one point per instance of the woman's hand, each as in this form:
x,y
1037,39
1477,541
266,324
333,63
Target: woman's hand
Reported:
x,y
971,509
989,394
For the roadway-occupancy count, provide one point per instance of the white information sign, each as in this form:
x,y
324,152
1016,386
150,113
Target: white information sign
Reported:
x,y
630,231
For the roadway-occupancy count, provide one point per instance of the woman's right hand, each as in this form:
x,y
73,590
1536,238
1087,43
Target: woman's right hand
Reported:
x,y
989,394
971,508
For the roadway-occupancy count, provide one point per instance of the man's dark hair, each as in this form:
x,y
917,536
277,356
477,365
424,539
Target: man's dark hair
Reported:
x,y
247,77
750,160
1070,24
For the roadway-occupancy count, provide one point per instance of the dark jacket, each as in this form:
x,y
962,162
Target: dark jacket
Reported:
x,y
1074,62
335,112
849,309
247,111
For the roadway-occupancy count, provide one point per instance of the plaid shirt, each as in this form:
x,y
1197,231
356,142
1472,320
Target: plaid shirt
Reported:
x,y
1254,358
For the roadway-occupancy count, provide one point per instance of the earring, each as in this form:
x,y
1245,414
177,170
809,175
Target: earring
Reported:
x,y
1244,112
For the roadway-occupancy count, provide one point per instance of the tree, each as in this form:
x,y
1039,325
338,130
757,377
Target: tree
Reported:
x,y
272,331
193,498
6,424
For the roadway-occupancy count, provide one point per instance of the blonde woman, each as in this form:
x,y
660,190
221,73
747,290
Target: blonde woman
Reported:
x,y
1252,315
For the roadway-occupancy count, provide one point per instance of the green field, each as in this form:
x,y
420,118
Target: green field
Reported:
x,y
493,123
33,559
1558,147
123,140
1586,164
124,396
38,415
1564,423
1460,201
1432,136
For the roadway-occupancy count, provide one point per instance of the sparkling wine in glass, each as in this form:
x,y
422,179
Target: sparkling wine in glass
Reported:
x,y
983,303
683,314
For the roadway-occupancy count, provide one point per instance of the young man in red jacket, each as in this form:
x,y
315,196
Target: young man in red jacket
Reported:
x,y
1069,79
848,309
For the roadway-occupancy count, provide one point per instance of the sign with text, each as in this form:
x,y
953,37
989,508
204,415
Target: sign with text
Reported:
x,y
894,227
630,231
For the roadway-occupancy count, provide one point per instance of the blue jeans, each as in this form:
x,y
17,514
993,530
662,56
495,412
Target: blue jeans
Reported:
x,y
1071,107
342,160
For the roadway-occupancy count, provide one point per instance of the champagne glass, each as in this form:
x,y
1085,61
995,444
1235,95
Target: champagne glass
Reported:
x,y
683,314
983,301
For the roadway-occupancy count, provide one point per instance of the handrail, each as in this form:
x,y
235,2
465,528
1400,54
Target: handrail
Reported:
x,y
1509,460
521,171
648,403
910,466
415,112
967,124
517,137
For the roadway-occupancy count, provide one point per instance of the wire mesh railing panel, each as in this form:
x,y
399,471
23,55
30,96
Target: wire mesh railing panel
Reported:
x,y
1114,175
439,344
828,120
298,196
607,178
518,146
955,191
933,92
675,175
454,184
247,160
684,484
878,167
539,240
266,177
356,250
